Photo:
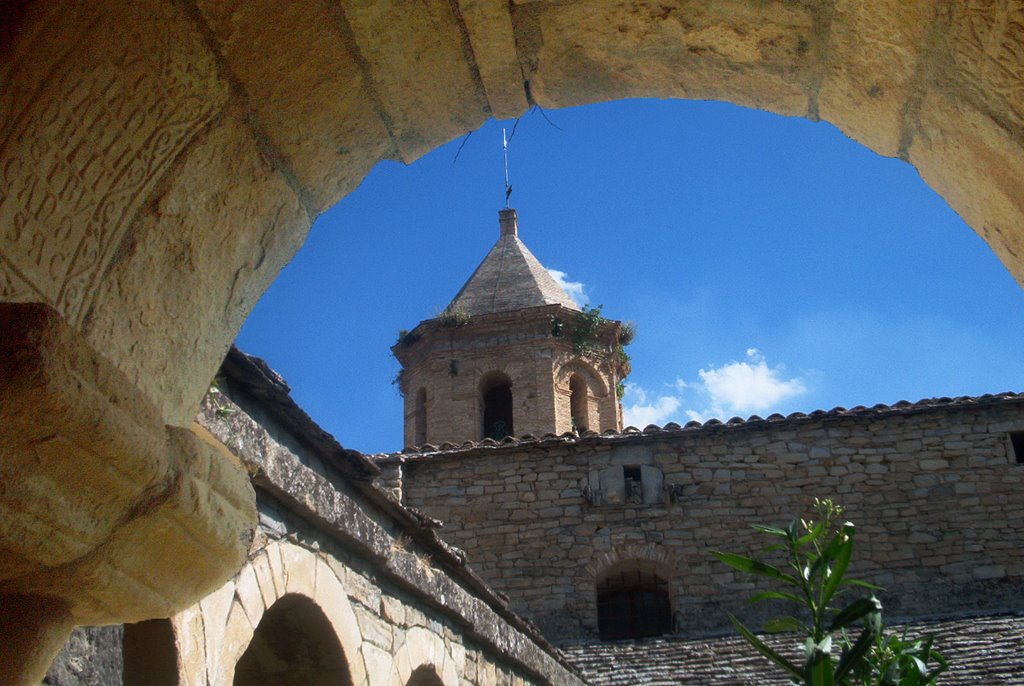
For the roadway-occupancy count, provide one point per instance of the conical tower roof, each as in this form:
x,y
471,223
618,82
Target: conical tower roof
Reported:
x,y
510,277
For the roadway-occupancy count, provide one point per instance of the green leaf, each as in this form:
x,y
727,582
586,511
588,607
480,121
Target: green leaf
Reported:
x,y
770,530
862,584
835,577
856,653
778,625
818,665
792,530
745,564
819,669
775,595
811,535
854,611
760,647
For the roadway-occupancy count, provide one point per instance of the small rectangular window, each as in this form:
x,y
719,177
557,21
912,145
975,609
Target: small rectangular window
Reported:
x,y
1017,444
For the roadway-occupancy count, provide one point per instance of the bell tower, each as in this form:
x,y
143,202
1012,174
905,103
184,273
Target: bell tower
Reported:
x,y
511,355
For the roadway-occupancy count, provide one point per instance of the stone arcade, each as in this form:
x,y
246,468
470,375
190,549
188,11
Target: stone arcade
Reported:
x,y
161,159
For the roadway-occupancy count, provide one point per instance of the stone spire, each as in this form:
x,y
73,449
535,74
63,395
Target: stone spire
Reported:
x,y
509,278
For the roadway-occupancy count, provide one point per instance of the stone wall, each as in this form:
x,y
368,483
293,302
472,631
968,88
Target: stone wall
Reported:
x,y
161,161
340,584
452,364
933,488
333,552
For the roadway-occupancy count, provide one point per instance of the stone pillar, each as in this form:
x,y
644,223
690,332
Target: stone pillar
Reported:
x,y
32,630
107,515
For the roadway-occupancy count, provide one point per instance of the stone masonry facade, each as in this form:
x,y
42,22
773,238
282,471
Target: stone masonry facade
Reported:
x,y
451,366
933,487
340,585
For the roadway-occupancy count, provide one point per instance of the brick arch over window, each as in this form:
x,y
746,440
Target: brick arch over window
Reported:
x,y
634,600
585,399
583,602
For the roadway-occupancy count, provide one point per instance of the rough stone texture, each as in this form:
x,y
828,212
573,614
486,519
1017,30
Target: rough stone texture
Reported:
x,y
931,487
91,657
452,364
344,131
151,517
163,291
108,111
395,596
980,650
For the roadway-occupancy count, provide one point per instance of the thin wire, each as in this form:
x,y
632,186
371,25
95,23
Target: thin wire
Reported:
x,y
538,108
465,139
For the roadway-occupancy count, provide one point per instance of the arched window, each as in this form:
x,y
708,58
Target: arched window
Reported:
x,y
150,654
579,405
496,391
294,645
421,417
633,601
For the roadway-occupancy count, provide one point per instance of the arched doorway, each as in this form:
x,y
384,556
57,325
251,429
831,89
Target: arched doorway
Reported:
x,y
294,645
633,601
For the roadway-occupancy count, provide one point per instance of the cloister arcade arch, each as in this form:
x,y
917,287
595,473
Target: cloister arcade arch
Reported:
x,y
161,160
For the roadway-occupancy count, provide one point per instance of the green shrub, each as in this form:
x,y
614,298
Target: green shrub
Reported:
x,y
453,317
817,554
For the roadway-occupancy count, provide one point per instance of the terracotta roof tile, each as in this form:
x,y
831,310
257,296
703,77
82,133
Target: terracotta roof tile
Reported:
x,y
735,423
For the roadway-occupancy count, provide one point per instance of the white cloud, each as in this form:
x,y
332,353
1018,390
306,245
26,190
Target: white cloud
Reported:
x,y
641,412
574,289
749,386
734,388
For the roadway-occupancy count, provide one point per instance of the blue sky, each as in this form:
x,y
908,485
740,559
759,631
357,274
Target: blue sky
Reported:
x,y
770,264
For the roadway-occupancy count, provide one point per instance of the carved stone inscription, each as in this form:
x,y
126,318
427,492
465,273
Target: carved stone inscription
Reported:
x,y
988,51
84,154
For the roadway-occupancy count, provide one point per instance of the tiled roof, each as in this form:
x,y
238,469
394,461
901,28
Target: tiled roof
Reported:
x,y
510,278
980,650
902,407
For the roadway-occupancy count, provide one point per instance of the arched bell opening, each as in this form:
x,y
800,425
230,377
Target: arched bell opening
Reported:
x,y
496,401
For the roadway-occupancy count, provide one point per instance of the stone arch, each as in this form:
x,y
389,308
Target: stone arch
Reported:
x,y
594,380
584,601
228,618
226,167
424,660
155,186
634,600
294,644
596,407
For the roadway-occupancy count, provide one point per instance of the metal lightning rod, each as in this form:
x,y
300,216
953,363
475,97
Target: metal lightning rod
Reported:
x,y
508,186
